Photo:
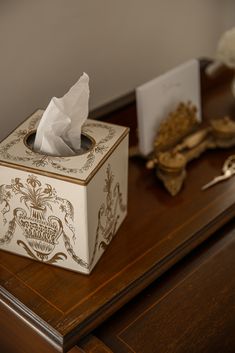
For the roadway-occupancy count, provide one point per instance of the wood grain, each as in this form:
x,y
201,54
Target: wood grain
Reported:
x,y
158,231
92,344
190,309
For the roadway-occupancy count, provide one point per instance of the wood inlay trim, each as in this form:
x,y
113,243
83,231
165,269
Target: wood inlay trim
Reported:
x,y
187,276
33,290
126,344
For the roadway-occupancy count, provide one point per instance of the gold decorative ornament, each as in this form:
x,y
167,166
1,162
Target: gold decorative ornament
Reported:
x,y
170,157
177,124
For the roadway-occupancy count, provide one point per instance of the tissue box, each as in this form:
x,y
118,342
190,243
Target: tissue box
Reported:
x,y
63,210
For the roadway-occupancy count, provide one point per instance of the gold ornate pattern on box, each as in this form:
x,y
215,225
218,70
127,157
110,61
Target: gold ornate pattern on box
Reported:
x,y
109,213
40,227
15,153
45,219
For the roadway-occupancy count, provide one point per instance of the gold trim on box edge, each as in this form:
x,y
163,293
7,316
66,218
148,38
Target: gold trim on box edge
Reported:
x,y
63,177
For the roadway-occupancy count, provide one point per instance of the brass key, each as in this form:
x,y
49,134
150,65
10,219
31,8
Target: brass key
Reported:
x,y
228,171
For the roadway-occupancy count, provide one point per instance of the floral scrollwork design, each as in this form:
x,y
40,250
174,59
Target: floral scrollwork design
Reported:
x,y
109,214
57,163
40,229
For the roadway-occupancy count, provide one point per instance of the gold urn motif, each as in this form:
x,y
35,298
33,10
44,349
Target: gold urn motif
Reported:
x,y
40,227
41,234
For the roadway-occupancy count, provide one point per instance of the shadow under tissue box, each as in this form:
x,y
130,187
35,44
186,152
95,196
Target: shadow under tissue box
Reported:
x,y
63,211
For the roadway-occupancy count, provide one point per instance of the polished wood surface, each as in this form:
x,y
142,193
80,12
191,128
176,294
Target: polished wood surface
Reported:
x,y
189,309
92,344
63,306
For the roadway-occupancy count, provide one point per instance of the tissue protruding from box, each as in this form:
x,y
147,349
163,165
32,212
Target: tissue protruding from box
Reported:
x,y
59,131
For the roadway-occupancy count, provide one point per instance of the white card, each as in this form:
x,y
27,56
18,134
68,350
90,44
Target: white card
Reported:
x,y
158,97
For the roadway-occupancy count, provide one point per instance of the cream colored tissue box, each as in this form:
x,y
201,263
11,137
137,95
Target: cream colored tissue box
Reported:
x,y
63,210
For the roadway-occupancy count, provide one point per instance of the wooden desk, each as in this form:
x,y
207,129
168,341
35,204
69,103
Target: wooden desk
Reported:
x,y
189,309
46,309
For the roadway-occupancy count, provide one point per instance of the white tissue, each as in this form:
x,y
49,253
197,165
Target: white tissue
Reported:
x,y
59,131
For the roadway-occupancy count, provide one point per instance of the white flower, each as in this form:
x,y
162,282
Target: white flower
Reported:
x,y
226,49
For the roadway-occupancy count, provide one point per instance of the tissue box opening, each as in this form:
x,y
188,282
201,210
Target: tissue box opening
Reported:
x,y
87,143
